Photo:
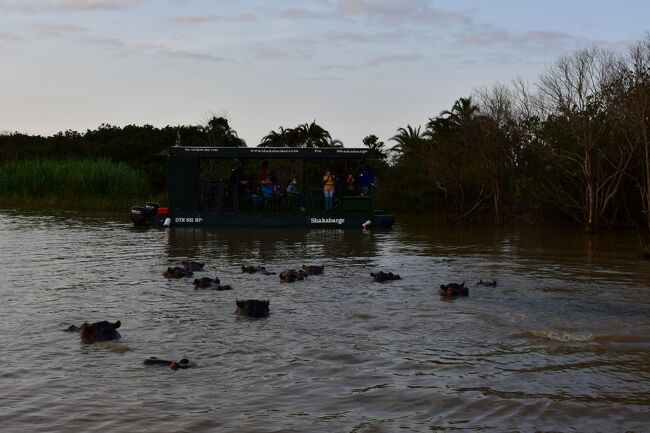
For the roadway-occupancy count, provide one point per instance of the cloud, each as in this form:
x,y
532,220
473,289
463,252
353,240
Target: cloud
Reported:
x,y
64,5
264,51
373,62
195,19
4,36
188,54
201,19
304,13
364,38
246,17
15,6
56,30
160,51
382,11
404,11
534,39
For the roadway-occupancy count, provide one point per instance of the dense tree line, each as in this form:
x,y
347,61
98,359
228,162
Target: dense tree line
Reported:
x,y
572,147
139,146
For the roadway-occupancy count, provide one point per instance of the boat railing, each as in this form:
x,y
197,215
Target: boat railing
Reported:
x,y
242,197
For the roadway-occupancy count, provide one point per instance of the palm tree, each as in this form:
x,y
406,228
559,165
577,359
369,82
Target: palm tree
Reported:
x,y
275,139
438,127
334,142
407,139
462,112
313,135
305,135
220,133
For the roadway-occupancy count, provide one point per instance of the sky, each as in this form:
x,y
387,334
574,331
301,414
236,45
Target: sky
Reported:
x,y
356,67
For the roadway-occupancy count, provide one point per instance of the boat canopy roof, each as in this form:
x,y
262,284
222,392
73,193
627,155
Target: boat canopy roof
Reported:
x,y
274,152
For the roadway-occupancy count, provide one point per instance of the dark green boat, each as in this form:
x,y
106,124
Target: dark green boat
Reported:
x,y
221,186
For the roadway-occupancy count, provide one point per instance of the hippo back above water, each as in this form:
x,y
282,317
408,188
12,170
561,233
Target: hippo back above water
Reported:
x,y
100,331
253,307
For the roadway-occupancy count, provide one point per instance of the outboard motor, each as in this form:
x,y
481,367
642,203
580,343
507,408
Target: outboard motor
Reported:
x,y
152,209
139,215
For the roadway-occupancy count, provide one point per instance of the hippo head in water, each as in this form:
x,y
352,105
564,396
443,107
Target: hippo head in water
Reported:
x,y
452,290
253,307
382,276
100,331
192,266
253,270
313,269
205,282
177,272
291,275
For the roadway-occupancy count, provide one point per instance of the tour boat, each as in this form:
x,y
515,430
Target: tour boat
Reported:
x,y
221,186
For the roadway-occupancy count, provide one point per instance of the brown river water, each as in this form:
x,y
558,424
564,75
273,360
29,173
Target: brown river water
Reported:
x,y
561,344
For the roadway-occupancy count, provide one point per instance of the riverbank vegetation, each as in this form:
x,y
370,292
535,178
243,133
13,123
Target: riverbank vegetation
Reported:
x,y
573,147
83,184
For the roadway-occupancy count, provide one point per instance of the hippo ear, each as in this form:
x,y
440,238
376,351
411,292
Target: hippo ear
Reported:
x,y
239,303
117,324
84,325
442,286
268,301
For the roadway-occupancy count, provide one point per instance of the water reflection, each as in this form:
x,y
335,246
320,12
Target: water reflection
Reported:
x,y
266,245
561,343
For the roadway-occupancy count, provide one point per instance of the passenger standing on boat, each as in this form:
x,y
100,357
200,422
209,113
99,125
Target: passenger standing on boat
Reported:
x,y
292,191
365,179
267,187
264,171
292,187
349,188
328,189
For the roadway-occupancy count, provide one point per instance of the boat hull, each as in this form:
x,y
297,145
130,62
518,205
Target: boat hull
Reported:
x,y
298,219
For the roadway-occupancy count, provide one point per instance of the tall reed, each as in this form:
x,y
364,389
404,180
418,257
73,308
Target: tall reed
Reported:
x,y
73,184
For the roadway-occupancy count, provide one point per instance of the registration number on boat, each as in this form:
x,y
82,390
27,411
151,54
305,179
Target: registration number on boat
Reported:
x,y
189,220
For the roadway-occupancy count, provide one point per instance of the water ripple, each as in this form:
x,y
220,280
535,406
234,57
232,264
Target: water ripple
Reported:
x,y
561,344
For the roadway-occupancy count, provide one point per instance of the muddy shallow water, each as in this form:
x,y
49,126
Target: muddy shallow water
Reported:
x,y
561,344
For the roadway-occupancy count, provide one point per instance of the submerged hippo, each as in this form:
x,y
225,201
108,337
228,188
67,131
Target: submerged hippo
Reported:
x,y
452,290
192,266
177,272
98,331
253,270
492,283
205,282
183,363
253,307
313,269
381,276
291,275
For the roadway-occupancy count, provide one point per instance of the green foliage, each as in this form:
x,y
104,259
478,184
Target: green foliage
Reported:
x,y
75,184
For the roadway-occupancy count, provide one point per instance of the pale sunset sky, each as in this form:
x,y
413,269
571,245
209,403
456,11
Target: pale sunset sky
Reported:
x,y
357,67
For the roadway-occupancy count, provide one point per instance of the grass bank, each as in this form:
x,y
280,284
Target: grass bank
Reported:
x,y
84,185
